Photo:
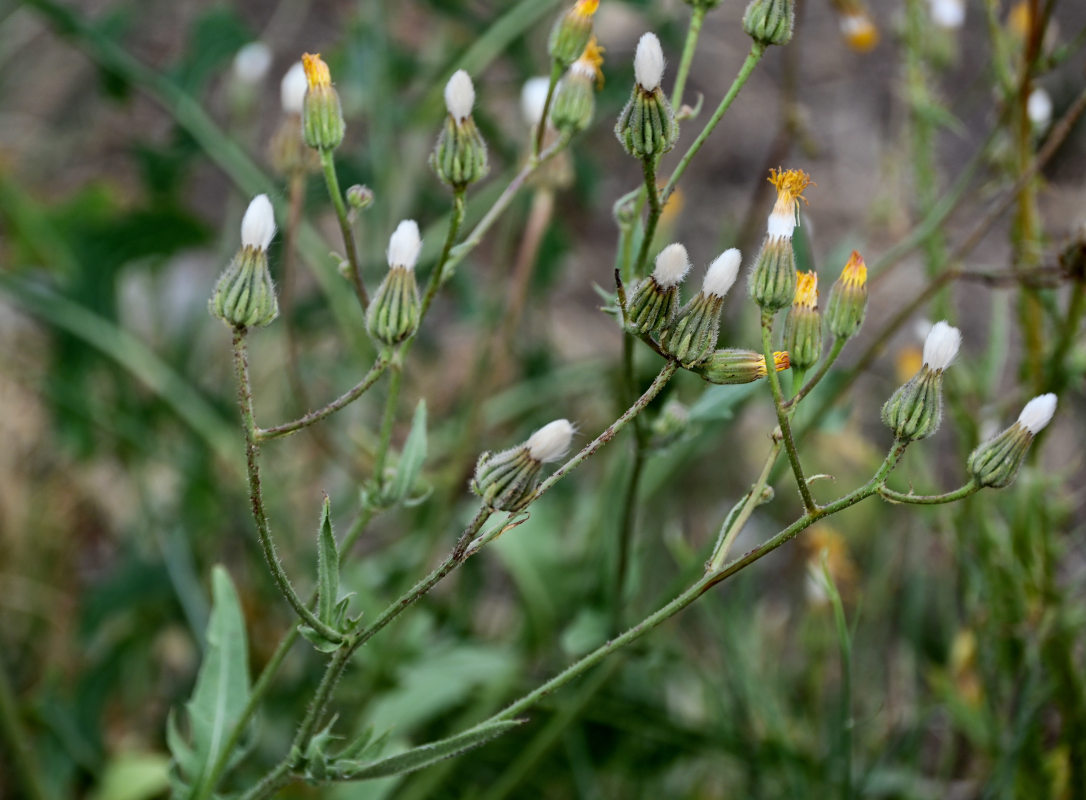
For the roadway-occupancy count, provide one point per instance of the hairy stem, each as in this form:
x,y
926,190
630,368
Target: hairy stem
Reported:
x,y
252,458
648,166
697,17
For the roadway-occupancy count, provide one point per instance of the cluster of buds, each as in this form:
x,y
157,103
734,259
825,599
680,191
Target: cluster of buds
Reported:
x,y
691,337
848,299
655,299
773,280
915,410
572,32
803,324
244,295
732,366
322,114
575,98
506,481
770,21
995,463
393,315
647,127
459,157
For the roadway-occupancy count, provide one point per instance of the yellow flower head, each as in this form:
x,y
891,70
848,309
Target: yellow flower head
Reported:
x,y
806,290
790,185
854,275
781,361
860,32
1019,19
316,71
591,62
586,8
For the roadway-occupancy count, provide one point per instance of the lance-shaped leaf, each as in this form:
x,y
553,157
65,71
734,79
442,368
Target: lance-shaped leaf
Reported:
x,y
222,687
426,754
414,453
327,567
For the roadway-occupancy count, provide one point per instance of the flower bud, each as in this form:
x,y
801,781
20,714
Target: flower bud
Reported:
x,y
995,463
359,197
692,336
575,98
803,324
647,127
654,300
848,299
770,21
322,115
459,157
732,366
244,295
393,315
773,279
571,32
506,481
915,410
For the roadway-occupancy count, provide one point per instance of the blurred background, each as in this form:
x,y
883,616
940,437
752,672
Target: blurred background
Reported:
x,y
131,140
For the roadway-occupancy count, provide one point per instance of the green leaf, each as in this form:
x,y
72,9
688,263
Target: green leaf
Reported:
x,y
222,686
327,566
718,403
427,754
414,453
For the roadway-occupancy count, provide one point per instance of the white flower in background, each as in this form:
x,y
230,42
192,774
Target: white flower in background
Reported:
x,y
292,89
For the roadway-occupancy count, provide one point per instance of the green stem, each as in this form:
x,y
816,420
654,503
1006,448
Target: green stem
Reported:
x,y
21,755
629,499
697,17
344,400
611,431
820,373
929,500
782,416
252,458
328,166
648,166
541,128
437,276
734,522
388,418
755,55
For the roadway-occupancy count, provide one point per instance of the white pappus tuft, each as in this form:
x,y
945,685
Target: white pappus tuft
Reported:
x,y
672,264
722,272
532,98
551,442
292,89
1038,413
252,62
258,224
1039,108
948,14
941,345
404,245
459,95
649,62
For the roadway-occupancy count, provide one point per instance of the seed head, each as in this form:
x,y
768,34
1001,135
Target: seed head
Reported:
x,y
722,273
941,346
292,89
258,224
649,62
1038,413
404,245
459,95
251,63
551,442
671,266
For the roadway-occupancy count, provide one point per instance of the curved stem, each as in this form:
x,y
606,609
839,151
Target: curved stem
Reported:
x,y
931,499
541,128
388,419
755,55
437,276
252,458
328,166
734,523
344,400
697,17
782,416
649,168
